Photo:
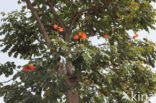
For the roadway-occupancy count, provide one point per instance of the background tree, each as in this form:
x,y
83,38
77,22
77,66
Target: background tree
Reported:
x,y
54,36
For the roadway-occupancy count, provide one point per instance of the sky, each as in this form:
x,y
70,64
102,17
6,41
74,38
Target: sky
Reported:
x,y
11,5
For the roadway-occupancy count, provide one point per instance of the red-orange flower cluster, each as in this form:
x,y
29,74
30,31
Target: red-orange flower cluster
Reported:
x,y
135,36
60,29
25,68
106,36
55,26
80,35
76,37
29,67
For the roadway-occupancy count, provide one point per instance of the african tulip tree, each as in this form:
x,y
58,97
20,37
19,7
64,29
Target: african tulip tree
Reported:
x,y
66,67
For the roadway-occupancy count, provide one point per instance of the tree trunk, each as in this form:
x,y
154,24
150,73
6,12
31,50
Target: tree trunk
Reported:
x,y
70,96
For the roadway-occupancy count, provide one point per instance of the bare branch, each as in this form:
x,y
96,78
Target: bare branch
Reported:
x,y
34,12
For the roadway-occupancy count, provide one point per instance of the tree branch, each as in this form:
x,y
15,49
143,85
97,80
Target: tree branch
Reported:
x,y
6,81
34,12
75,17
85,10
80,12
101,76
50,4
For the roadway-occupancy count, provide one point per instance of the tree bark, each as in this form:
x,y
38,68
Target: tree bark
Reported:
x,y
70,96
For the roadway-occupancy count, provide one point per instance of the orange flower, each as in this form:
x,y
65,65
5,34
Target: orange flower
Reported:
x,y
60,29
135,36
55,26
80,33
106,36
31,67
83,36
76,37
25,68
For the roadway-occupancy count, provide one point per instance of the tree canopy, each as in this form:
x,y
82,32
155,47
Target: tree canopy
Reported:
x,y
64,66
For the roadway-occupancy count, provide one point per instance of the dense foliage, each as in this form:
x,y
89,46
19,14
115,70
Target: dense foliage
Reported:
x,y
54,37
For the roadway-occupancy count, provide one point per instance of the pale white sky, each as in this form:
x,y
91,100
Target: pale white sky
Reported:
x,y
11,5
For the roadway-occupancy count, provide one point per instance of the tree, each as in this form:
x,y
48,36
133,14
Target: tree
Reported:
x,y
54,36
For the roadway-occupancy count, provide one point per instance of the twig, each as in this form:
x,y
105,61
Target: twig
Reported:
x,y
6,81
